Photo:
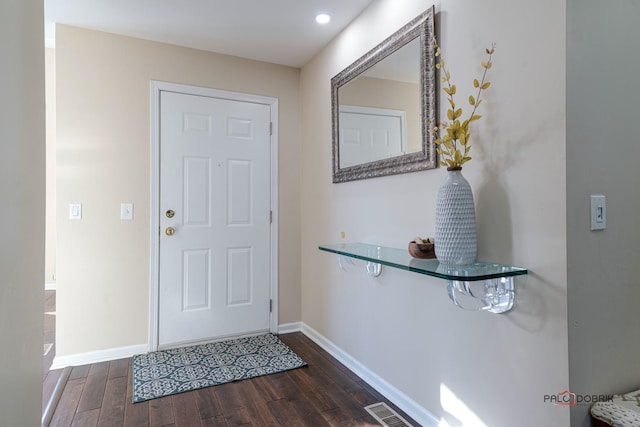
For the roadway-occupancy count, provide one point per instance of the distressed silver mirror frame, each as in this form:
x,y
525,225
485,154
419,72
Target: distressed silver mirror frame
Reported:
x,y
423,27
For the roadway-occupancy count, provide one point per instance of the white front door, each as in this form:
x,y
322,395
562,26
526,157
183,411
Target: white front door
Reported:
x,y
215,203
368,134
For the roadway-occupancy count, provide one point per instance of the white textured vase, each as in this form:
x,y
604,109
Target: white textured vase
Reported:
x,y
456,240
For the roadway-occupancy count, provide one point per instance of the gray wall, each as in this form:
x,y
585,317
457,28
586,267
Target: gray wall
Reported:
x,y
603,151
22,220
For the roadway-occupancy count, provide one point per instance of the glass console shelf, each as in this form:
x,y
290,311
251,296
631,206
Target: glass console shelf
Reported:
x,y
479,286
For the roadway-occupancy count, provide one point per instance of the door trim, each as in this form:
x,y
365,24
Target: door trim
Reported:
x,y
155,88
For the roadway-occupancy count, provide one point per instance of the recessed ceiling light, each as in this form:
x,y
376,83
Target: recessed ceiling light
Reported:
x,y
323,18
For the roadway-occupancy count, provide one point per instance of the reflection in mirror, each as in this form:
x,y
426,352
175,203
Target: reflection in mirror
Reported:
x,y
381,105
380,109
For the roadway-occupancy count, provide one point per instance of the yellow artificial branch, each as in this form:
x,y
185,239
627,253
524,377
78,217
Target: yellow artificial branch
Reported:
x,y
453,148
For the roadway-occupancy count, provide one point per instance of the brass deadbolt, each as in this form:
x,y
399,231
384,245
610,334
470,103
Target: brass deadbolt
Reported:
x,y
170,213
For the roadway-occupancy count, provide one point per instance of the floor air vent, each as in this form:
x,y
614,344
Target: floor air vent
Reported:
x,y
387,416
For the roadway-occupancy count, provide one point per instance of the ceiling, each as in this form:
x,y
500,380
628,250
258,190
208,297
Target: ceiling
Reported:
x,y
278,31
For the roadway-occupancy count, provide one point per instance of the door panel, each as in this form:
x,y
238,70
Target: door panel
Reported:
x,y
240,281
370,134
214,274
196,191
240,192
196,279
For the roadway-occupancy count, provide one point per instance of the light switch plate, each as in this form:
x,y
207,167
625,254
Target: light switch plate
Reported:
x,y
126,211
598,212
75,211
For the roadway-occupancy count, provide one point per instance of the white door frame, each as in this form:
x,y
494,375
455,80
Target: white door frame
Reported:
x,y
156,88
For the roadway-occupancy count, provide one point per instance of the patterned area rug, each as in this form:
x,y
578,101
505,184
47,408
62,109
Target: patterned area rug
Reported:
x,y
167,372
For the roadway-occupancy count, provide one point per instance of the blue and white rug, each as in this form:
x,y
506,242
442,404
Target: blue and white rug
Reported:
x,y
167,372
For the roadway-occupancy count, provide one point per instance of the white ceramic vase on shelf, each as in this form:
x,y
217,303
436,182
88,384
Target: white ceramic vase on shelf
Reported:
x,y
456,241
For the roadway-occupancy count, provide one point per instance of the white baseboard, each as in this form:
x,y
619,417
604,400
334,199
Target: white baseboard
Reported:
x,y
401,400
286,328
98,356
50,286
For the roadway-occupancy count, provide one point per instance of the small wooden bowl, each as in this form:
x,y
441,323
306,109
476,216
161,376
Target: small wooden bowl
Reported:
x,y
422,250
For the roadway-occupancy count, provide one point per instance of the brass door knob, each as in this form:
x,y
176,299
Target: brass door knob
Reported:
x,y
169,231
170,213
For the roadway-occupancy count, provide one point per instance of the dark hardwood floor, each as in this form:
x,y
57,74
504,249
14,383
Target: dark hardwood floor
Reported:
x,y
325,393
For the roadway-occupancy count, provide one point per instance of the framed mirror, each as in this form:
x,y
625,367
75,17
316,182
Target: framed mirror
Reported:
x,y
382,104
